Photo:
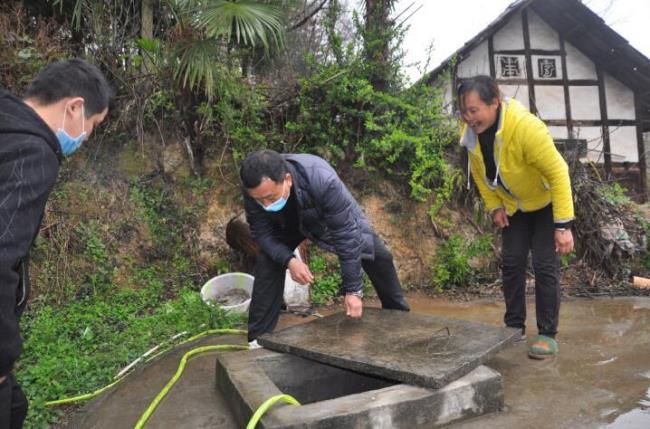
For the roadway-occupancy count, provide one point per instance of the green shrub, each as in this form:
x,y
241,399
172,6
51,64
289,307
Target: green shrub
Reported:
x,y
451,266
614,193
341,117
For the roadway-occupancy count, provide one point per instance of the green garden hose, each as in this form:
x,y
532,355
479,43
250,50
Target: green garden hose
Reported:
x,y
97,392
181,367
179,371
83,397
214,331
268,404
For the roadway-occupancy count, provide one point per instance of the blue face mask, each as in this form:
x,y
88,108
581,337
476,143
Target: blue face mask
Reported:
x,y
278,204
68,143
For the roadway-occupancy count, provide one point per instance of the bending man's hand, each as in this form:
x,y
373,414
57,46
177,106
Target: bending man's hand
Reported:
x,y
500,218
300,272
563,241
353,305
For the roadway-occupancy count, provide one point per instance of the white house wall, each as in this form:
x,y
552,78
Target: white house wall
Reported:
x,y
550,102
585,104
558,132
511,36
578,66
518,92
541,35
622,141
620,99
477,62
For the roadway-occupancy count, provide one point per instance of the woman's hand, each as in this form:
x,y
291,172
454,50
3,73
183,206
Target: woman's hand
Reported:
x,y
500,218
563,241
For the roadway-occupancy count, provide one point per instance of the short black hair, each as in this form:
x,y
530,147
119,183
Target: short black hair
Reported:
x,y
486,88
261,164
71,78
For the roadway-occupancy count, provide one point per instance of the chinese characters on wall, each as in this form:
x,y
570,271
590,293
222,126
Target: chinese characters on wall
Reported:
x,y
510,67
546,68
514,67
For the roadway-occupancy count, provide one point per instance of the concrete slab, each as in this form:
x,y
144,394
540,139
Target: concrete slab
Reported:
x,y
428,351
336,398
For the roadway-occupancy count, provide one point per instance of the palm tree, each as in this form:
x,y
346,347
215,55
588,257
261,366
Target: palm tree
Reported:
x,y
206,31
210,29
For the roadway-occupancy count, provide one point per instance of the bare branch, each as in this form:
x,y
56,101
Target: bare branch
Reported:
x,y
309,16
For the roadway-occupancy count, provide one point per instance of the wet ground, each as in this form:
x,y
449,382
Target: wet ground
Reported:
x,y
600,379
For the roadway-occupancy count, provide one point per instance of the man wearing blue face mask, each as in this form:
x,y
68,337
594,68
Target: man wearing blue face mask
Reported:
x,y
291,197
60,109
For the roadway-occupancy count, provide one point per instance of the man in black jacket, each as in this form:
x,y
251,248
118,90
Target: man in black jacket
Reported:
x,y
60,109
295,196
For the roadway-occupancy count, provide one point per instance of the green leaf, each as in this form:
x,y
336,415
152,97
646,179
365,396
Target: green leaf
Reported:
x,y
244,22
150,45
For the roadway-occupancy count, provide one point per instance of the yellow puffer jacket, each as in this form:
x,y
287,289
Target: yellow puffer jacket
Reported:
x,y
530,167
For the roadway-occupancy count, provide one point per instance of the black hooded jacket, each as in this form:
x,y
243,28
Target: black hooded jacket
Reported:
x,y
328,215
30,156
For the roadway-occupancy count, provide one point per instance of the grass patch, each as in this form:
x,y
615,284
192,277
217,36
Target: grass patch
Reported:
x,y
327,278
451,266
79,348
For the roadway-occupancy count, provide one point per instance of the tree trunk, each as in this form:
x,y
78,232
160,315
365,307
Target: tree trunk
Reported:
x,y
377,35
146,27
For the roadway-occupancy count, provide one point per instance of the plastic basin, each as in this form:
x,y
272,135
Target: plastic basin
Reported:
x,y
231,291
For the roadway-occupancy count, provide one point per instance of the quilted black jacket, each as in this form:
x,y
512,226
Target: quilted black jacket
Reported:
x,y
328,216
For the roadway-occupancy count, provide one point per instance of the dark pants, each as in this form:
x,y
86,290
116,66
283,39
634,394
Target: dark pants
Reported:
x,y
531,231
268,288
13,404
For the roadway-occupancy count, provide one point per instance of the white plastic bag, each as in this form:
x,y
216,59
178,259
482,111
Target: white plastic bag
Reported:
x,y
296,295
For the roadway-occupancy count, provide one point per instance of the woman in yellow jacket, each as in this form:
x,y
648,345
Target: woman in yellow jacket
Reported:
x,y
524,183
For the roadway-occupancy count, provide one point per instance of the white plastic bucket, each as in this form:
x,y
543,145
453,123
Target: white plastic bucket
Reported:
x,y
231,291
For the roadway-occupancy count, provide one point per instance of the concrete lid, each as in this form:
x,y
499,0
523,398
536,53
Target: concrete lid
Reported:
x,y
402,346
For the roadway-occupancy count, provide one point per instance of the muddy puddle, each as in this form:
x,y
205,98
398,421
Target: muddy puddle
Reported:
x,y
600,378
